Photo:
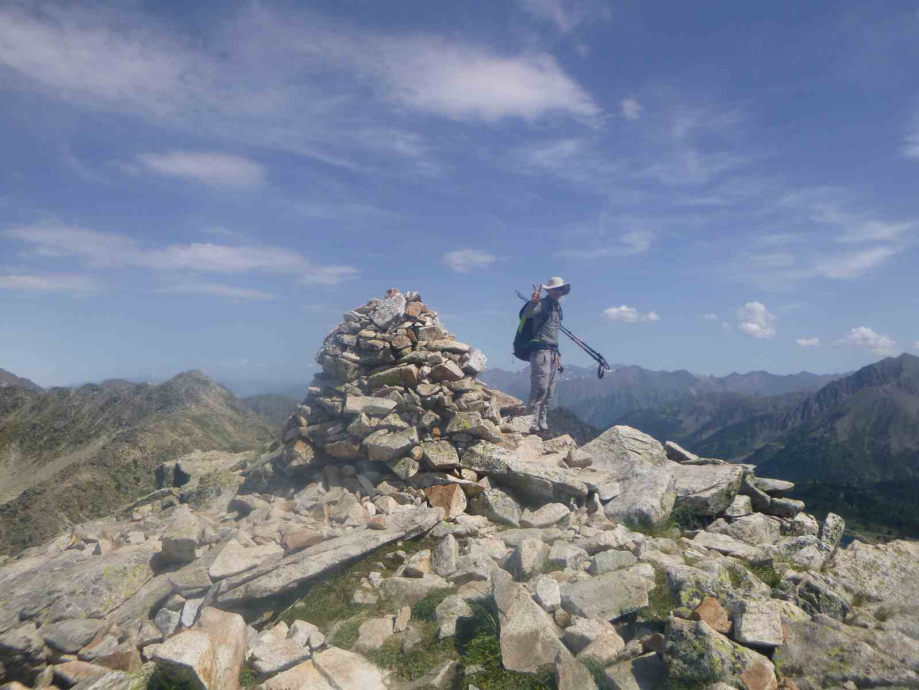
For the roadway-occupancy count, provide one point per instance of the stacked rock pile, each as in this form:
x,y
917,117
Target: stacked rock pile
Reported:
x,y
398,403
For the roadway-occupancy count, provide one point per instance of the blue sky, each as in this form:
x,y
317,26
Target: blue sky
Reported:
x,y
727,186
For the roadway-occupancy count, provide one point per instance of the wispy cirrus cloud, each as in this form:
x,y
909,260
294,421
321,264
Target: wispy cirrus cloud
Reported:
x,y
626,314
467,260
70,283
111,250
213,169
216,289
630,108
295,81
566,15
865,337
808,342
710,317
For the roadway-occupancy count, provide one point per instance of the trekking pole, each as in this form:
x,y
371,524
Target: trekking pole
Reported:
x,y
602,365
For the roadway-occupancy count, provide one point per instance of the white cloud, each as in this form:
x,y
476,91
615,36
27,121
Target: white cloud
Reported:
x,y
911,145
328,275
710,317
755,320
726,327
217,289
466,82
466,260
865,337
627,314
808,342
630,108
628,244
854,264
567,15
214,169
290,80
857,228
74,284
108,250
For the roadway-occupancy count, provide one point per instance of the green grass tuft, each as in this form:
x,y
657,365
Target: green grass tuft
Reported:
x,y
660,599
248,676
346,634
484,650
419,660
424,609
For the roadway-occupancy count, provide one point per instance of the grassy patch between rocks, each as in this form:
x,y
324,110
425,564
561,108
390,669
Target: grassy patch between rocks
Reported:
x,y
694,681
766,573
413,663
329,602
660,599
248,676
424,609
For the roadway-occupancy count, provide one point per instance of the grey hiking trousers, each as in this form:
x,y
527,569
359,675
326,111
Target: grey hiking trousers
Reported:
x,y
543,374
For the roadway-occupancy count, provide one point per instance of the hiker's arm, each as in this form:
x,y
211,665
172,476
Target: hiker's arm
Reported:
x,y
532,309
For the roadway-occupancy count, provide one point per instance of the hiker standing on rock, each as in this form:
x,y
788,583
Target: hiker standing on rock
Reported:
x,y
545,359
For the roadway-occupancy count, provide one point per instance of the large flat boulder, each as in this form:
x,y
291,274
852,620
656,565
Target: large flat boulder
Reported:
x,y
311,563
536,478
208,656
345,670
706,489
608,596
528,639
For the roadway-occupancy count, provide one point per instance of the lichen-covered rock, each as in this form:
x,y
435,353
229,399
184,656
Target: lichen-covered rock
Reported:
x,y
693,649
609,596
498,506
706,489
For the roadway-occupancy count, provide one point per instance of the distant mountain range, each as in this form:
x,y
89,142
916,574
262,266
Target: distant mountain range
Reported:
x,y
8,379
72,454
628,388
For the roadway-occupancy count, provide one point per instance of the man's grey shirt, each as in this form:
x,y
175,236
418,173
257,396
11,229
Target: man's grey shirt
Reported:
x,y
548,317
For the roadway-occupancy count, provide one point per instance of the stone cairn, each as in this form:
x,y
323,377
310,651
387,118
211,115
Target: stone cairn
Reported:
x,y
397,401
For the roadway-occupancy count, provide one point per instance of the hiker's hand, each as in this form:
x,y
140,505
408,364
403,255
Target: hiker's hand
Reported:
x,y
537,293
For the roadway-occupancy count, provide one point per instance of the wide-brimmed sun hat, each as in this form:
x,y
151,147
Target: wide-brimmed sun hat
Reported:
x,y
556,283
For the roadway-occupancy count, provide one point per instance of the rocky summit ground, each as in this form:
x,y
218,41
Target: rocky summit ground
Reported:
x,y
406,533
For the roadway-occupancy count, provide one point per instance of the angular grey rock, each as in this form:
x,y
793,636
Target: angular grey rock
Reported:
x,y
167,621
571,674
604,650
209,656
646,672
831,531
528,559
445,557
607,596
583,631
757,624
348,671
23,656
497,505
183,537
679,454
528,640
755,529
784,507
608,561
694,649
313,562
564,556
408,591
548,595
390,446
739,507
536,477
70,636
772,486
550,514
706,489
275,656
448,613
301,631
639,464
356,404
728,546
234,559
389,311
373,634
445,372
801,525
440,455
305,676
474,363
